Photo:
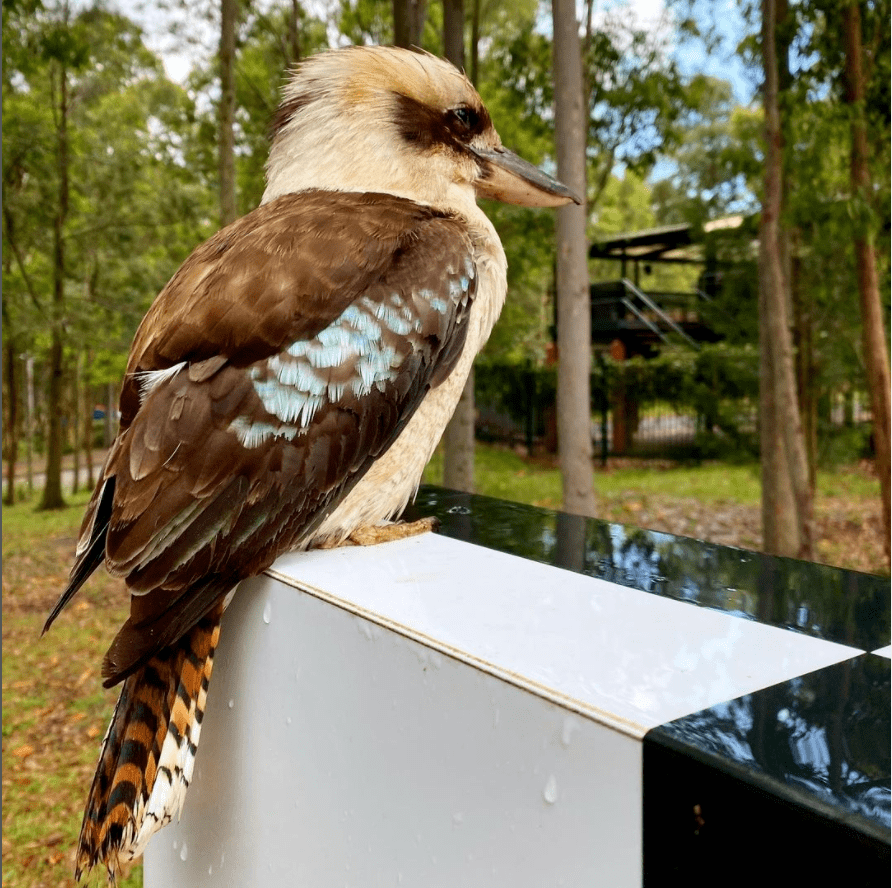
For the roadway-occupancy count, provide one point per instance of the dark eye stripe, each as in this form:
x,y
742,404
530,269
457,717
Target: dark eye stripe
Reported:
x,y
428,126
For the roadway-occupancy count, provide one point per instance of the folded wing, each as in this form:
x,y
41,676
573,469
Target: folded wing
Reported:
x,y
284,357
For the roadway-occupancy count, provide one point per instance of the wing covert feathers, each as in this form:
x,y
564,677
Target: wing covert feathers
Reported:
x,y
148,754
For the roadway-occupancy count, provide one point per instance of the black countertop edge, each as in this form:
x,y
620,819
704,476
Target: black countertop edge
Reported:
x,y
858,717
847,607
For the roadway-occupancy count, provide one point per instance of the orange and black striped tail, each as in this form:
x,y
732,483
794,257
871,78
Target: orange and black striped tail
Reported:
x,y
148,754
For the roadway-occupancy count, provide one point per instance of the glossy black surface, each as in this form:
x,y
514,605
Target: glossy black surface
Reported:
x,y
826,602
819,740
788,785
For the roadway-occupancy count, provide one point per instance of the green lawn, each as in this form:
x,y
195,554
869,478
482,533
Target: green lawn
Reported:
x,y
55,710
502,473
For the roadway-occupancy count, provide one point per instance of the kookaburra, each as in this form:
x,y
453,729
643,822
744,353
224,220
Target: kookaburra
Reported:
x,y
288,386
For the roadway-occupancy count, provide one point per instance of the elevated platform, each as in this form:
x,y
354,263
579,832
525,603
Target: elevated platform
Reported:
x,y
643,321
626,310
531,698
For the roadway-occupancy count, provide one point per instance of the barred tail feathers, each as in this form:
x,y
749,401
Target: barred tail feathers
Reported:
x,y
148,754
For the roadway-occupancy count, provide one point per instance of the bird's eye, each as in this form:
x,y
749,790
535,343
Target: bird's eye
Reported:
x,y
467,119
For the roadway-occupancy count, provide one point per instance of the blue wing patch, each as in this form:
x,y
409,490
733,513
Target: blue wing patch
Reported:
x,y
366,346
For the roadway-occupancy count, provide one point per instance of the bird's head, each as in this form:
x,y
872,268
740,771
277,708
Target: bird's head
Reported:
x,y
394,120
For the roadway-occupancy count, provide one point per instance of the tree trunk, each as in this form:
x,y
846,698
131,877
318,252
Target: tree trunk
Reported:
x,y
87,413
873,332
295,50
779,526
52,492
74,421
228,14
458,442
458,439
408,22
29,423
111,402
475,43
454,32
573,316
11,420
787,513
807,374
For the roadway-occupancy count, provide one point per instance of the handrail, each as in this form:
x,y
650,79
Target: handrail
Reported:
x,y
659,312
650,325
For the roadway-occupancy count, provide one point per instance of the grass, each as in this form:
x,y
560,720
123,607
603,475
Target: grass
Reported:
x,y
502,473
55,710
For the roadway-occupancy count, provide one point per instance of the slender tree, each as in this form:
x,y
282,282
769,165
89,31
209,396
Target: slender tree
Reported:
x,y
408,21
458,439
876,357
295,33
228,15
52,492
573,317
11,417
787,505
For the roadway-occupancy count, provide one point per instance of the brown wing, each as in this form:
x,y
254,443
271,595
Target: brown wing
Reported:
x,y
279,274
353,307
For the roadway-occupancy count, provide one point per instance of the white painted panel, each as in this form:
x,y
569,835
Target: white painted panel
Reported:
x,y
626,657
338,753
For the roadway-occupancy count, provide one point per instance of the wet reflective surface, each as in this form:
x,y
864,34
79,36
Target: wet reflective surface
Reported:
x,y
786,786
824,602
789,783
826,734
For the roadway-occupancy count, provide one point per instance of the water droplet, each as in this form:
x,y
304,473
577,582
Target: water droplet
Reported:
x,y
231,703
176,844
267,612
184,852
457,818
288,720
550,793
210,870
570,726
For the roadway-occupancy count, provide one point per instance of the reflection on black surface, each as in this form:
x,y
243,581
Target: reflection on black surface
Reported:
x,y
826,602
786,765
826,733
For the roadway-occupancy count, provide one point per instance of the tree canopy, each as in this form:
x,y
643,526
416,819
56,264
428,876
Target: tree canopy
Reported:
x,y
110,168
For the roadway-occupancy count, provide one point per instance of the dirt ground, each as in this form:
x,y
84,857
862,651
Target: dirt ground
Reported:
x,y
847,533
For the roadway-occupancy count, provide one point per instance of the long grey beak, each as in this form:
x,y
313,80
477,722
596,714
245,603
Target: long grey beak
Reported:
x,y
511,179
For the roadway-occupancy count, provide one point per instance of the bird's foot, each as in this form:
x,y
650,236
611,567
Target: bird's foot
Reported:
x,y
373,534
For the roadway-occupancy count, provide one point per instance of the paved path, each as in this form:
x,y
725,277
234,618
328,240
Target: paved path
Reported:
x,y
38,477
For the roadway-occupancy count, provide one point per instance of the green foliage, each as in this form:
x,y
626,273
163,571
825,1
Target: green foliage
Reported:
x,y
505,474
719,383
132,214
